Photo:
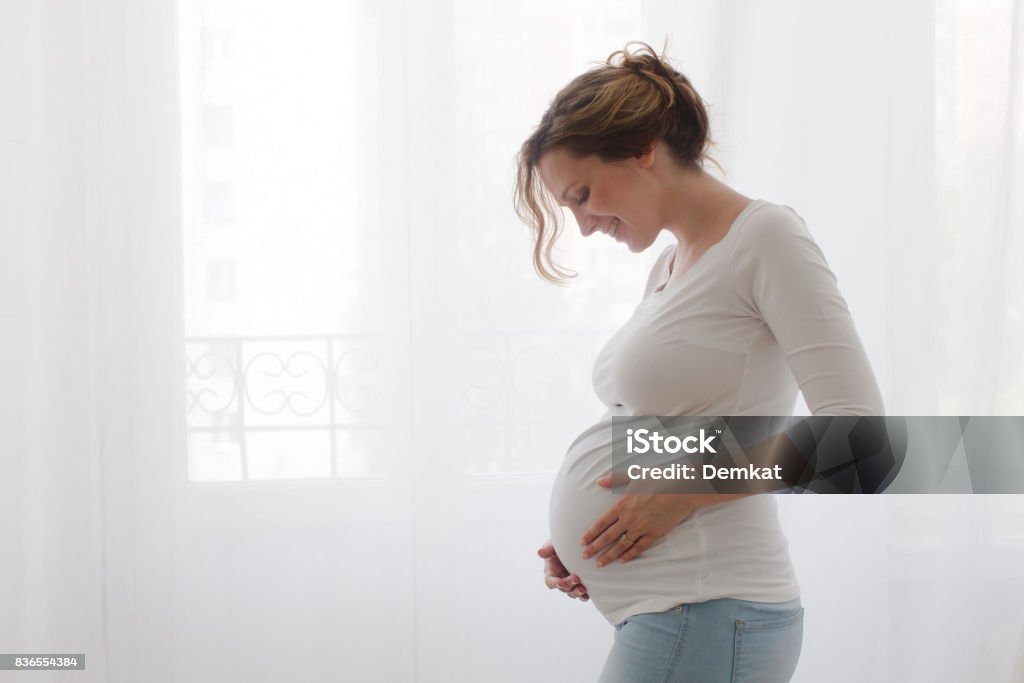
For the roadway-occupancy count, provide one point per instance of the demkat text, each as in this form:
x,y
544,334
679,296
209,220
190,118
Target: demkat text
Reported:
x,y
647,441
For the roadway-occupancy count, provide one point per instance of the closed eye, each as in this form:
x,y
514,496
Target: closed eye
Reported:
x,y
583,197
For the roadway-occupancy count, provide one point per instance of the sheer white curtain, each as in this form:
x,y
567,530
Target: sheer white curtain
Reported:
x,y
92,310
308,209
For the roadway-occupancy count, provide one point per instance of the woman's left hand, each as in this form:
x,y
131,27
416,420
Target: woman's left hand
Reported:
x,y
634,523
637,520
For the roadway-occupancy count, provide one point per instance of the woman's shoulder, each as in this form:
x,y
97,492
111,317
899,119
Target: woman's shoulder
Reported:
x,y
769,230
768,218
774,247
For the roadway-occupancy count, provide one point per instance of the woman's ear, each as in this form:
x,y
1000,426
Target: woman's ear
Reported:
x,y
646,160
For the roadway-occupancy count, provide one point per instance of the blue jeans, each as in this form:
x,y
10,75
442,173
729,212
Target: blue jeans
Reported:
x,y
718,641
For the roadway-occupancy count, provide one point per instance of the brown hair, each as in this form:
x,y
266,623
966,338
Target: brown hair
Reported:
x,y
615,111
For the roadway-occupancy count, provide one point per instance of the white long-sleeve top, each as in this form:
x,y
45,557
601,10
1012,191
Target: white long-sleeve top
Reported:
x,y
756,318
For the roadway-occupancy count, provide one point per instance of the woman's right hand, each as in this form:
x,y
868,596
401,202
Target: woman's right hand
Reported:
x,y
557,576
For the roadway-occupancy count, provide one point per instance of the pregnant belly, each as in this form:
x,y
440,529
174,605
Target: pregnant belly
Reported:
x,y
576,503
576,499
733,549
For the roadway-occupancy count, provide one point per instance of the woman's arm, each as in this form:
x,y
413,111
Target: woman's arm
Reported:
x,y
652,515
644,518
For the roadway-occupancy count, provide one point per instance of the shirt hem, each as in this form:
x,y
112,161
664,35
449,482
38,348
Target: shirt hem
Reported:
x,y
665,603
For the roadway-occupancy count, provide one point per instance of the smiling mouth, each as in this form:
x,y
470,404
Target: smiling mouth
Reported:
x,y
614,228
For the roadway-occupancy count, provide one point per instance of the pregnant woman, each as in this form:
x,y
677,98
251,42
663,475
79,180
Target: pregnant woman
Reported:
x,y
736,317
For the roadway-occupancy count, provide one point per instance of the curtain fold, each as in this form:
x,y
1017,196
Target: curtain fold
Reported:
x,y
93,410
53,575
1006,359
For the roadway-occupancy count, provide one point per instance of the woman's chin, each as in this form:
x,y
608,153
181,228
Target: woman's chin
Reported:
x,y
633,245
643,246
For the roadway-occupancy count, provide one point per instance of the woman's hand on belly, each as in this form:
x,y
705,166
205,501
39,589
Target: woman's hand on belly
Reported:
x,y
557,576
637,520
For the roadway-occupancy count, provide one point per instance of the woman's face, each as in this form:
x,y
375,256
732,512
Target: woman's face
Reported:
x,y
613,198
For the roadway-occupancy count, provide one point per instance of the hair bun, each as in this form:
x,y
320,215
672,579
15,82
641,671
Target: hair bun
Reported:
x,y
636,63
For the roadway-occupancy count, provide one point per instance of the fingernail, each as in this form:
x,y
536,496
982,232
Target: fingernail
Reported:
x,y
586,554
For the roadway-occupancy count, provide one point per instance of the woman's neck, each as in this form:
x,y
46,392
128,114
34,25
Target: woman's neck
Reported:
x,y
699,209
